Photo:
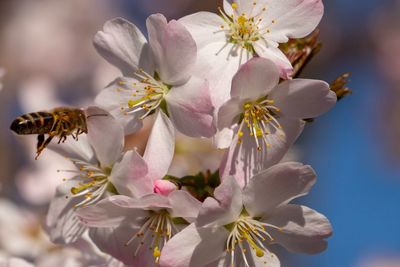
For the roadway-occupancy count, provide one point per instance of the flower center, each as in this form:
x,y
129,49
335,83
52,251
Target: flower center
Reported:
x,y
243,29
259,118
146,95
155,232
93,182
247,233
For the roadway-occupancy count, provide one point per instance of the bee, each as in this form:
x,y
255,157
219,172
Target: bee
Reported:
x,y
59,122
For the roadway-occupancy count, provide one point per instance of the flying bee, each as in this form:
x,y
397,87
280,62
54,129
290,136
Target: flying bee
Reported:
x,y
60,122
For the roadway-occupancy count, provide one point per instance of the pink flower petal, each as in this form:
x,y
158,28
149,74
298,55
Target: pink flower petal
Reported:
x,y
112,241
109,213
122,44
194,247
303,98
129,176
190,108
278,184
303,230
164,187
184,205
274,54
225,208
255,79
173,47
160,147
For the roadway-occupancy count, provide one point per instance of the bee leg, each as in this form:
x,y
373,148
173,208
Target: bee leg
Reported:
x,y
40,140
42,144
78,132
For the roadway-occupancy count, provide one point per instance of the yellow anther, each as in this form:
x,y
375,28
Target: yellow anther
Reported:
x,y
247,106
133,103
234,5
242,20
76,190
156,252
259,253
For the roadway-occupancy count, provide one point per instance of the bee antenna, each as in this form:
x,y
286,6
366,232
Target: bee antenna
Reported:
x,y
96,115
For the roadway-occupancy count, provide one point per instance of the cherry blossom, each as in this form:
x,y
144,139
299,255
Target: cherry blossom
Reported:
x,y
237,226
135,226
98,158
246,29
157,75
264,118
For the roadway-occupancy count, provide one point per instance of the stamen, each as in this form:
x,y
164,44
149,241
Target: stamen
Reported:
x,y
250,233
154,233
147,95
259,117
93,182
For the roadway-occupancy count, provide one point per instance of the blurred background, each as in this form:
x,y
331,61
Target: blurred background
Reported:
x,y
48,59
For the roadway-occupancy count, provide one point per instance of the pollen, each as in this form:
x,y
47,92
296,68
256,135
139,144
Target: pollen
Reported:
x,y
234,5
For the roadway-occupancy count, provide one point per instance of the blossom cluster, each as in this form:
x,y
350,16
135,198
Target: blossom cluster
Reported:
x,y
226,77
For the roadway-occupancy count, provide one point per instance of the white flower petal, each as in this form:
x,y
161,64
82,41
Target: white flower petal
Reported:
x,y
291,18
173,47
276,185
218,62
14,262
105,135
225,208
122,44
229,113
194,247
205,28
71,148
130,176
223,138
62,223
255,79
148,202
191,109
303,98
303,230
160,147
112,241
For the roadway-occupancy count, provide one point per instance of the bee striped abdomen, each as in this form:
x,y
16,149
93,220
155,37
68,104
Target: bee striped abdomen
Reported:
x,y
33,123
